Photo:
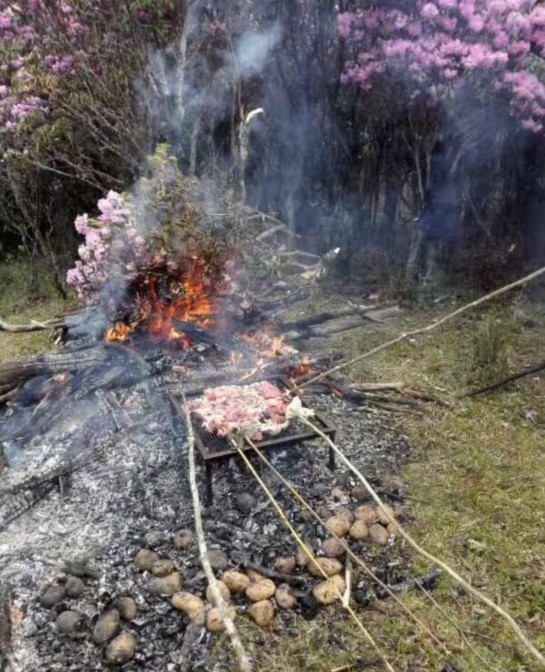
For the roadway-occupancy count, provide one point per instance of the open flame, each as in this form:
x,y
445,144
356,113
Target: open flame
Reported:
x,y
171,307
267,344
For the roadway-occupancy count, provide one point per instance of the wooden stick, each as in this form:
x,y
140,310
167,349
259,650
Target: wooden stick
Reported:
x,y
430,327
311,557
347,548
429,556
243,660
504,381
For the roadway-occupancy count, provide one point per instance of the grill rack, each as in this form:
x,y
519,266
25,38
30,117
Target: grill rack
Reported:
x,y
213,448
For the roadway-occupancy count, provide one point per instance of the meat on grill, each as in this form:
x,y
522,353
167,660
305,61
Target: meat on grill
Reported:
x,y
252,410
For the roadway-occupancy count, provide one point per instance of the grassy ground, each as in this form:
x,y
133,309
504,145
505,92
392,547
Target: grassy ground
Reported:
x,y
18,306
476,479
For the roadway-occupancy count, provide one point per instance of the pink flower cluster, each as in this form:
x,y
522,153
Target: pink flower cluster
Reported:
x,y
112,242
438,44
35,38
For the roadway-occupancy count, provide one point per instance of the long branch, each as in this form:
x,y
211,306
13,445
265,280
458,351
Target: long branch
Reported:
x,y
243,660
430,327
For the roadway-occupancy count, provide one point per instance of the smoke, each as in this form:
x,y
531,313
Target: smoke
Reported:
x,y
253,50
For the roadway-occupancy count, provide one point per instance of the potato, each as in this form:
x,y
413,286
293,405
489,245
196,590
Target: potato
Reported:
x,y
333,548
262,612
285,565
302,558
237,582
214,622
378,534
329,565
224,590
343,512
261,590
366,513
382,516
359,530
254,576
338,525
284,598
328,591
190,604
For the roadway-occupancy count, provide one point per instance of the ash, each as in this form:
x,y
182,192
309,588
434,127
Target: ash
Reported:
x,y
97,471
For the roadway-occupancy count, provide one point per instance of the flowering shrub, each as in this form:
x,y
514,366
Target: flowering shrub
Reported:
x,y
111,240
494,45
159,227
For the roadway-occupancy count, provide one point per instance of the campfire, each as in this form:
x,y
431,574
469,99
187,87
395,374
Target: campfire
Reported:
x,y
171,306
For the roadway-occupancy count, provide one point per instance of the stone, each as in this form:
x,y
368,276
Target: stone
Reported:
x,y
127,608
262,612
237,582
359,493
285,565
166,585
74,586
378,534
329,565
382,512
145,559
344,512
261,590
333,548
218,560
189,604
214,621
162,568
367,514
224,590
359,530
284,598
338,493
338,525
52,596
327,592
184,539
121,649
106,626
69,622
245,503
154,539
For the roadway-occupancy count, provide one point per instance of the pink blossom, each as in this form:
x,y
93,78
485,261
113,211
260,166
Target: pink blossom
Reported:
x,y
429,10
344,24
447,4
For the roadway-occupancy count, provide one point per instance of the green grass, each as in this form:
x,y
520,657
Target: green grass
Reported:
x,y
476,478
18,306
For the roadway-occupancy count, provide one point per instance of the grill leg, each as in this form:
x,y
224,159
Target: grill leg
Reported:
x,y
331,461
209,490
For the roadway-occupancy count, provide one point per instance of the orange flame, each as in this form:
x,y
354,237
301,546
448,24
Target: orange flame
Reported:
x,y
165,303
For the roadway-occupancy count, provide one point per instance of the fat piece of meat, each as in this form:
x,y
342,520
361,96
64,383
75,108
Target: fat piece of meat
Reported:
x,y
252,410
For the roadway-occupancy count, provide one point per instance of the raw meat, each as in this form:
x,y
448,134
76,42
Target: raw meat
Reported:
x,y
252,410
